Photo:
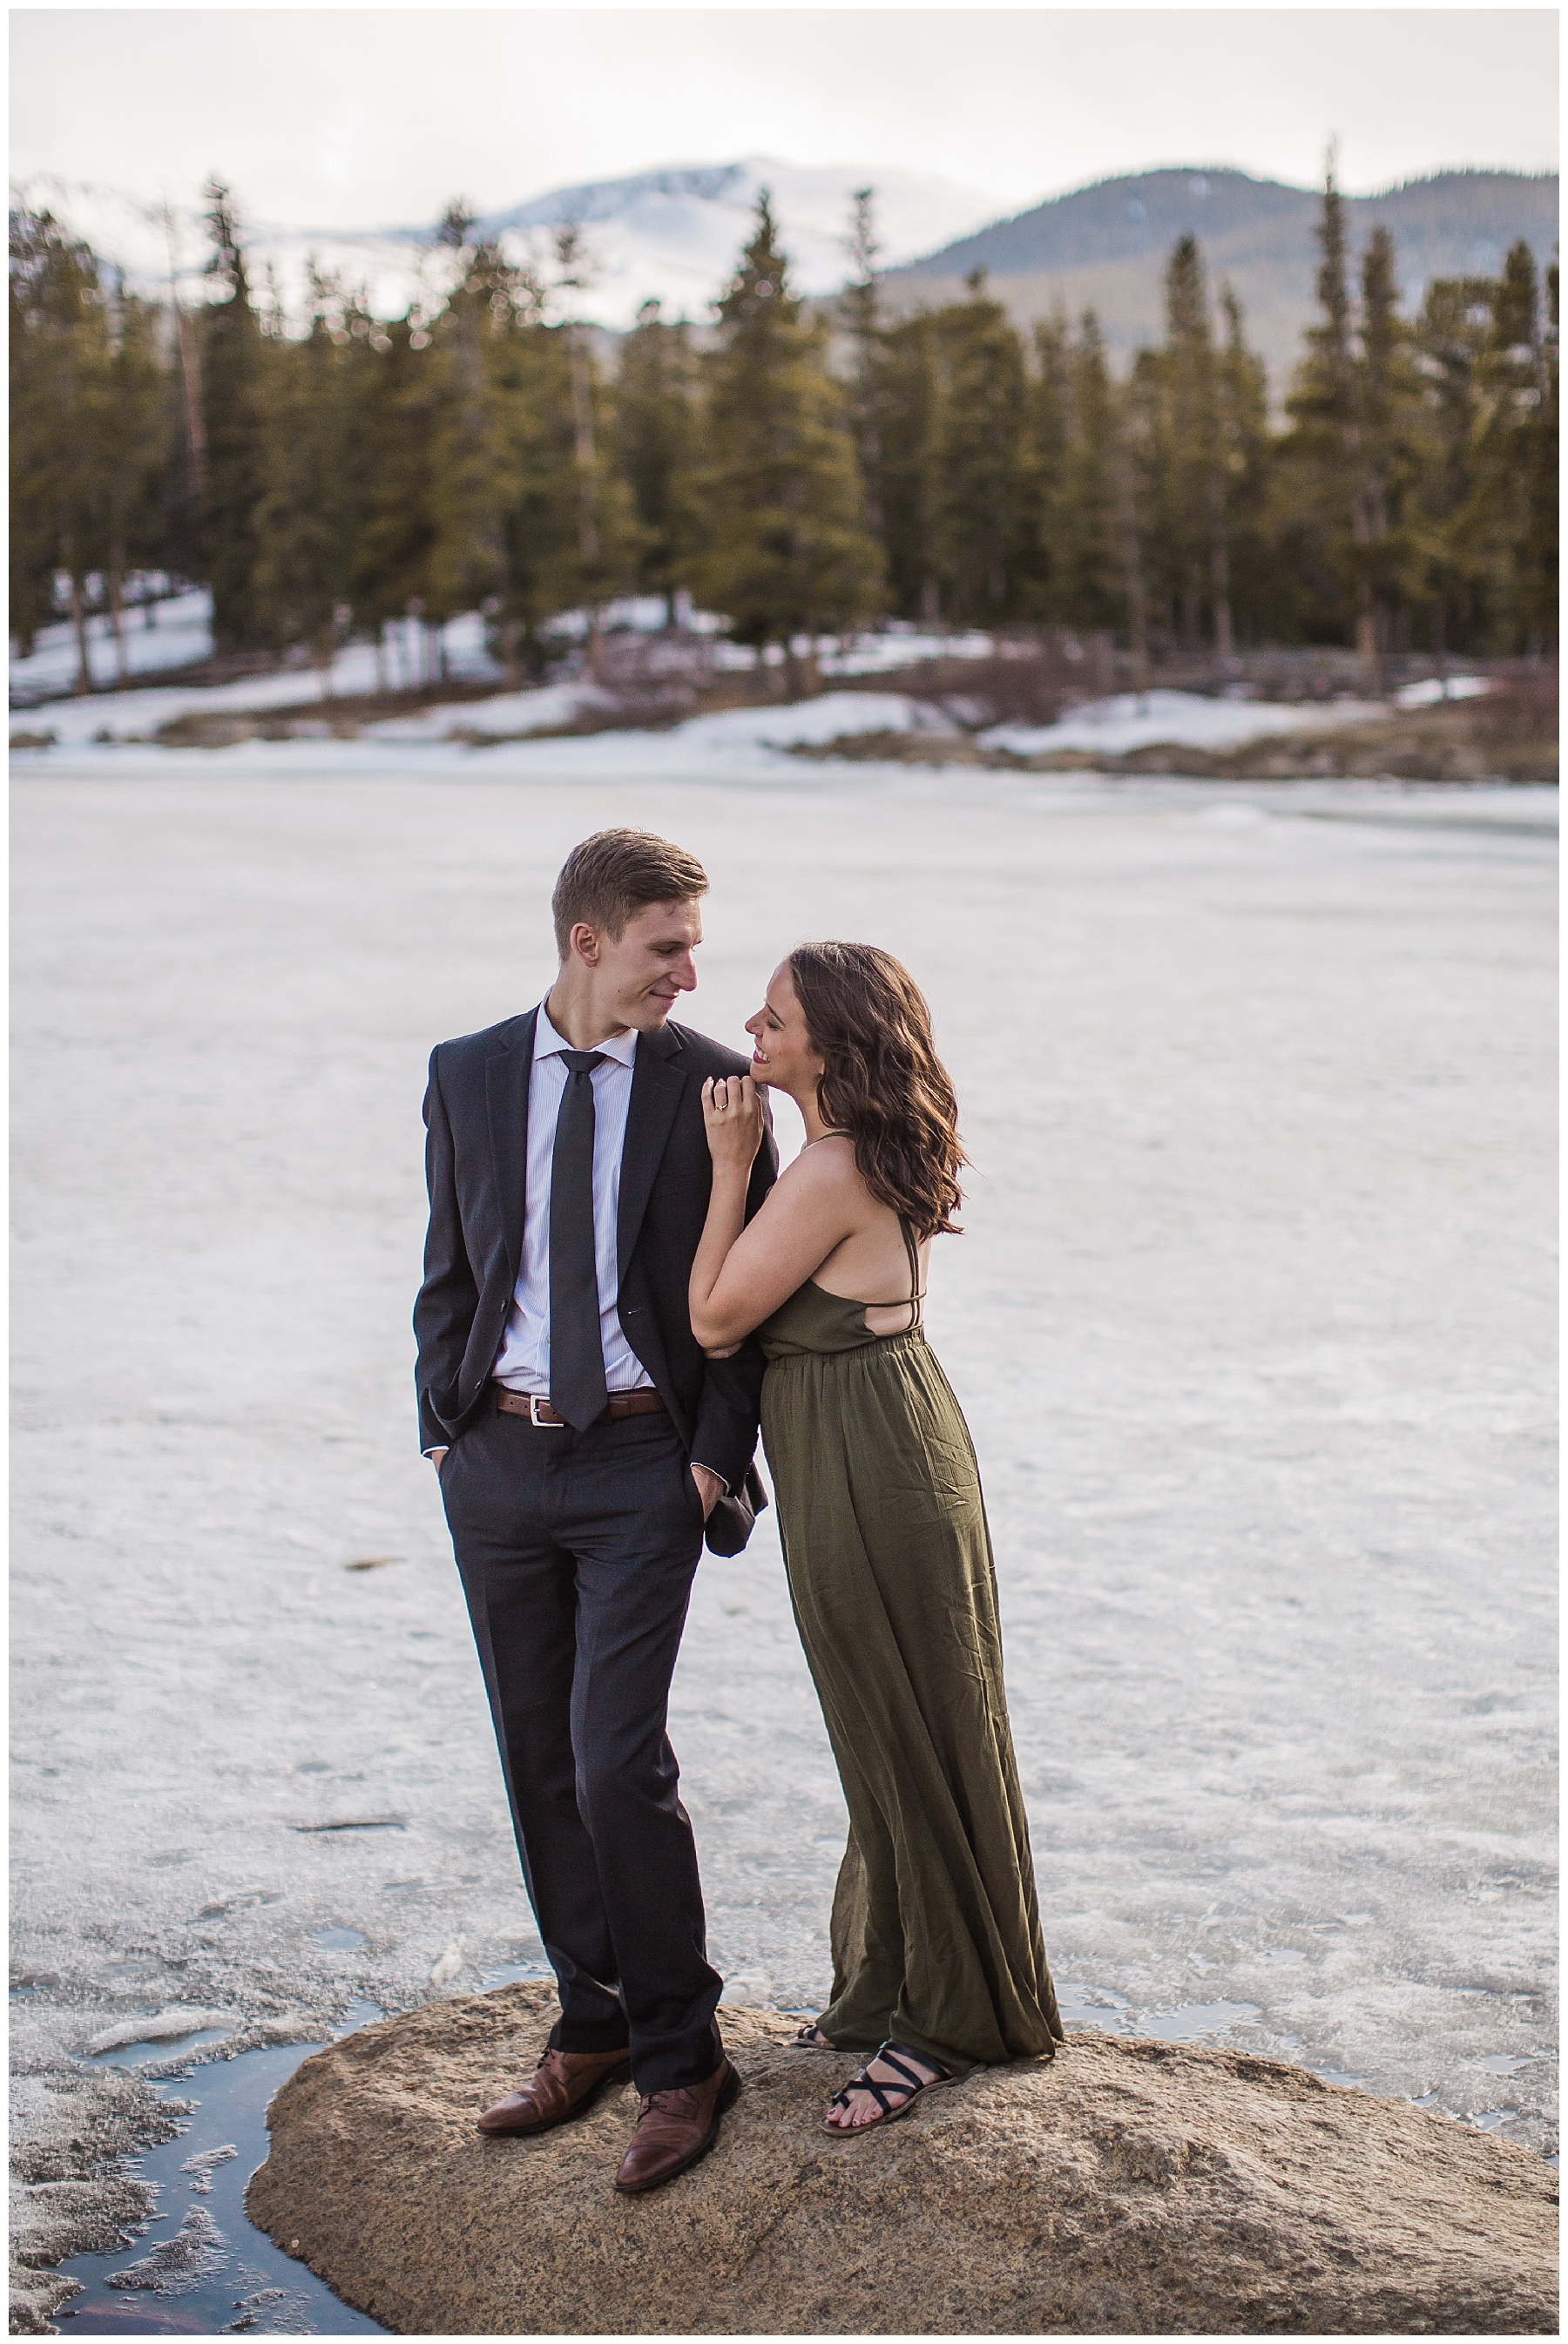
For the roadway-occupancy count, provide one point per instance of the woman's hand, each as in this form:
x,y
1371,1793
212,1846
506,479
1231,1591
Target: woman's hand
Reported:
x,y
732,1118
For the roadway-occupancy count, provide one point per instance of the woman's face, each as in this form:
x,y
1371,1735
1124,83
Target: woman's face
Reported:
x,y
781,1053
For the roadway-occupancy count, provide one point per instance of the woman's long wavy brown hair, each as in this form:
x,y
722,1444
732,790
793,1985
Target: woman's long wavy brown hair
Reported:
x,y
883,1083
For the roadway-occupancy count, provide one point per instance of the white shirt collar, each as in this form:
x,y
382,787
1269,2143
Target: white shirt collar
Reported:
x,y
548,1043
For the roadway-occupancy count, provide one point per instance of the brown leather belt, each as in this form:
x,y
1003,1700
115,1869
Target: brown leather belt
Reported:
x,y
539,1411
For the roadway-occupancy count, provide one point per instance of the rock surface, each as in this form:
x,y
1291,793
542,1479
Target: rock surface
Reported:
x,y
1129,2188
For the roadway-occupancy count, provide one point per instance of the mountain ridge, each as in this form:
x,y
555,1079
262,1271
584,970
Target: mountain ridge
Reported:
x,y
1105,246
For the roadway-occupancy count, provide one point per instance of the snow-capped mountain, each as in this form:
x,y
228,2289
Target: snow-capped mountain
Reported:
x,y
672,235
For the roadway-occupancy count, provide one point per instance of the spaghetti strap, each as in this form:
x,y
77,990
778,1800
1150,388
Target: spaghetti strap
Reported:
x,y
915,1297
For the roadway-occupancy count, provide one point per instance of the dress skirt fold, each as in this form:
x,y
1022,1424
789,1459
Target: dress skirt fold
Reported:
x,y
935,1925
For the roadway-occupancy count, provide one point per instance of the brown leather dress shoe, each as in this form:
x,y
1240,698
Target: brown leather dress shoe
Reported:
x,y
674,2129
564,2084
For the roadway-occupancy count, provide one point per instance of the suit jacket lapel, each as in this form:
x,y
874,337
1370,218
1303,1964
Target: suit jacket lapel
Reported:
x,y
657,1082
506,1079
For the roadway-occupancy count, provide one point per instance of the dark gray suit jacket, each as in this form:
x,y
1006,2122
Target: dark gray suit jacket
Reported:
x,y
476,1157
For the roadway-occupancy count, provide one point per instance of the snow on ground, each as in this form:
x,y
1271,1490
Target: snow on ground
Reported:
x,y
1135,720
1251,1322
733,742
507,711
899,646
1435,688
755,740
724,733
181,632
137,715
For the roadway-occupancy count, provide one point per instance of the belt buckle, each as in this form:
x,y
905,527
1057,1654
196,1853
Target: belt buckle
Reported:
x,y
542,1423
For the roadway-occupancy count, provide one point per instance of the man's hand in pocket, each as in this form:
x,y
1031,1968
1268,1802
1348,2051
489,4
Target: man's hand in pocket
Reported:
x,y
710,1488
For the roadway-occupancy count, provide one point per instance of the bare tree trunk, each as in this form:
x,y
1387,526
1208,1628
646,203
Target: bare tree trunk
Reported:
x,y
118,614
1219,568
382,657
1367,634
189,366
1191,601
1362,532
587,521
79,626
1132,574
190,381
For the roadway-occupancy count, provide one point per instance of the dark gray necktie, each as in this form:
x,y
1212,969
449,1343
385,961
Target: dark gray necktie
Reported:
x,y
577,1384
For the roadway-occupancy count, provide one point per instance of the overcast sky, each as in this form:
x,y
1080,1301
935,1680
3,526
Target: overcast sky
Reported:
x,y
376,117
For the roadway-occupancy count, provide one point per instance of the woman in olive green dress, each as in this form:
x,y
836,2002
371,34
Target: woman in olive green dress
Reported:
x,y
938,1964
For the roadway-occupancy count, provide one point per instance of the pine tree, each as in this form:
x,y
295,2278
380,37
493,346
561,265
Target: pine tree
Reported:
x,y
1538,570
400,424
1451,582
60,455
657,443
1511,516
861,310
1186,487
1245,475
465,558
906,406
304,525
1140,509
983,514
1093,591
789,553
605,532
139,455
1048,465
1382,417
1322,452
231,369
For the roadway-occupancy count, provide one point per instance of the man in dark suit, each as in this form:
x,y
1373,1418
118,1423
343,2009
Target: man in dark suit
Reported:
x,y
585,1444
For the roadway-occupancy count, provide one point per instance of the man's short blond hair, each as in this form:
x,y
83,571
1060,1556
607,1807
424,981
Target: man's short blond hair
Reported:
x,y
616,874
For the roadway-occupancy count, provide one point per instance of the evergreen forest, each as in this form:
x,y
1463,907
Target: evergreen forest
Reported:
x,y
804,469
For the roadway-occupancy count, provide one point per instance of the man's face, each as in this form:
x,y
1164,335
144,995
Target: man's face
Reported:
x,y
640,975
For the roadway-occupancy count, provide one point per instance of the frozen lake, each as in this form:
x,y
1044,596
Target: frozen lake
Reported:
x,y
1252,1323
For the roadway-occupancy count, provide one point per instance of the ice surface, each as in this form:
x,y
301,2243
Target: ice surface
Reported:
x,y
1251,1323
204,2164
163,2026
176,2264
241,2282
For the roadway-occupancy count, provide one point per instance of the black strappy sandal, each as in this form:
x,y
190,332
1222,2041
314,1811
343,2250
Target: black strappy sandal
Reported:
x,y
810,2037
893,2100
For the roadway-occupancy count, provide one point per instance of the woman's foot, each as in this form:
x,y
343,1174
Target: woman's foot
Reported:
x,y
885,2087
810,2037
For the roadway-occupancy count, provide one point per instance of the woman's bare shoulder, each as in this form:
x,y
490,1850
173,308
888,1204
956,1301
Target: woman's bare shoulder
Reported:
x,y
823,1173
823,1163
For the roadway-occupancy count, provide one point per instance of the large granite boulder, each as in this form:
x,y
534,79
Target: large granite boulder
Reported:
x,y
1128,2187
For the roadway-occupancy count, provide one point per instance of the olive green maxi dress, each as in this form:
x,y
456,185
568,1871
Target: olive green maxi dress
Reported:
x,y
936,1928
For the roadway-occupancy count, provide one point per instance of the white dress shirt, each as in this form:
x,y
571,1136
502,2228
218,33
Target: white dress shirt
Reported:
x,y
523,1361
